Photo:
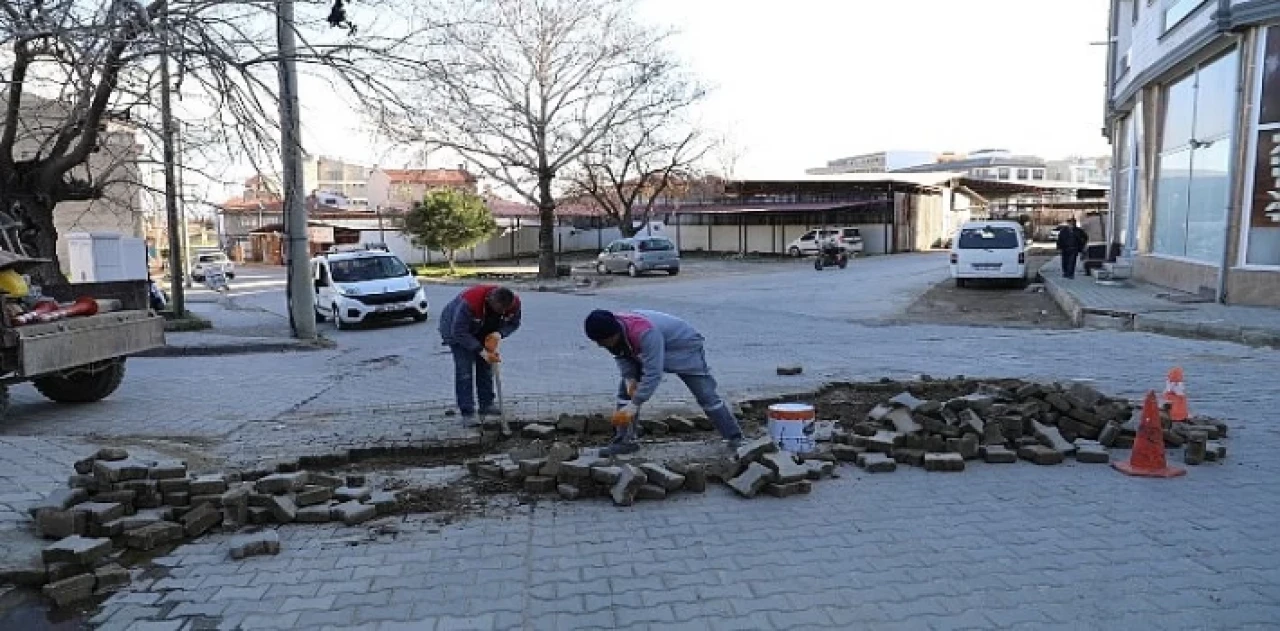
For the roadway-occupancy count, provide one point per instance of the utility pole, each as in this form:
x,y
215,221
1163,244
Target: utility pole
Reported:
x,y
184,221
177,270
301,300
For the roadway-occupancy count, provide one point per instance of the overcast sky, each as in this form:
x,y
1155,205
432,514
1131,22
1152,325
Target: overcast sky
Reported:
x,y
801,82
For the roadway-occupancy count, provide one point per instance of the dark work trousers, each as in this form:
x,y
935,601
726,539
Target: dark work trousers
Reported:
x,y
1069,258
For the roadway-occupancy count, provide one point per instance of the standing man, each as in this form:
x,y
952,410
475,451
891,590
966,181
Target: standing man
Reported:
x,y
1071,243
646,344
472,325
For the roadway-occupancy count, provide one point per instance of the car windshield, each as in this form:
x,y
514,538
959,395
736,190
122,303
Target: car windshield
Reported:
x,y
989,237
212,258
656,245
367,268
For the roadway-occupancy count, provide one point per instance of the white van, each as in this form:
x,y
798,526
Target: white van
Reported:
x,y
995,250
364,286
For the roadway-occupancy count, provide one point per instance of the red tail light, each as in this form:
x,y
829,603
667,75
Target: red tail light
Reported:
x,y
954,259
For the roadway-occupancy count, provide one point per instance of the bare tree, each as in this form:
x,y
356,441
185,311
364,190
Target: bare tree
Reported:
x,y
77,72
637,163
523,88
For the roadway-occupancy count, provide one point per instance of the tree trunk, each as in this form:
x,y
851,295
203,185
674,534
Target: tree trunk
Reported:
x,y
451,256
40,237
546,228
626,224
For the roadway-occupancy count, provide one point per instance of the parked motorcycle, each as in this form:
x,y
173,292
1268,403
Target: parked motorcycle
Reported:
x,y
830,254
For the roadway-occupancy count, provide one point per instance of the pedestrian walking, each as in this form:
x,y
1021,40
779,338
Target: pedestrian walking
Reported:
x,y
471,325
647,344
1071,243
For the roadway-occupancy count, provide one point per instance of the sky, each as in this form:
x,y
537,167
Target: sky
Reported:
x,y
801,82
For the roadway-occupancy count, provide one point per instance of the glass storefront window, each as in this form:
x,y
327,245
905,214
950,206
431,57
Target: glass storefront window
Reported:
x,y
1263,219
1172,181
1206,202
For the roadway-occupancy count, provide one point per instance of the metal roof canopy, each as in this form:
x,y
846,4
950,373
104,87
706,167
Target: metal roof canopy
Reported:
x,y
914,182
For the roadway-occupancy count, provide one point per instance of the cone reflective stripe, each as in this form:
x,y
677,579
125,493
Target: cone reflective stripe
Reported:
x,y
1175,394
1148,457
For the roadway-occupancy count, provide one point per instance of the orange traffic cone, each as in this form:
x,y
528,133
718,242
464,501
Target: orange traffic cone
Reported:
x,y
1148,459
1175,394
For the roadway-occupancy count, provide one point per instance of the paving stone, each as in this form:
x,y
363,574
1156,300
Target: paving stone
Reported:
x,y
802,487
1041,454
352,513
260,515
1086,417
283,509
61,569
510,471
280,483
1215,451
215,484
556,454
654,427
572,423
200,519
76,549
1175,439
352,494
173,485
568,491
651,492
630,479
168,470
695,476
101,512
883,442
539,484
1195,451
817,469
1091,452
997,454
785,467
324,479
910,457
59,500
124,497
313,494
314,514
110,576
354,479
1109,434
84,466
751,480
662,476
789,370
578,468
966,446
531,466
753,450
153,535
606,474
120,470
847,453
110,529
943,462
903,422
141,518
81,481
111,454
57,524
906,400
971,422
384,501
538,431
680,425
1050,437
254,544
69,591
176,498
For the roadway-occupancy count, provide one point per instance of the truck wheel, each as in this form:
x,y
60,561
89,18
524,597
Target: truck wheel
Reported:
x,y
82,386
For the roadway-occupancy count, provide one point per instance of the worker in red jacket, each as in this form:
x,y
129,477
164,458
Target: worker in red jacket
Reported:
x,y
471,325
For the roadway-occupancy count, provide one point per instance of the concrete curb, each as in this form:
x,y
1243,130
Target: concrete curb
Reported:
x,y
1069,304
248,348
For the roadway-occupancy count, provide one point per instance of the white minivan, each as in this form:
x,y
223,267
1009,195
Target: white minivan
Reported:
x,y
989,250
362,286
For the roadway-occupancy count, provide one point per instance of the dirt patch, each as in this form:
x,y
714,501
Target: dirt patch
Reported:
x,y
989,303
850,402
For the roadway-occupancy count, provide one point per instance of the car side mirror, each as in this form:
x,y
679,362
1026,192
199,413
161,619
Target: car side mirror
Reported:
x,y
415,271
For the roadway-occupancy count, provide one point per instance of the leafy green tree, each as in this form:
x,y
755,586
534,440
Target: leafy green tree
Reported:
x,y
449,220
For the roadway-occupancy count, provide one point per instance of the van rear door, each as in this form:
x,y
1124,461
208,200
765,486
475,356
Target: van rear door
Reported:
x,y
989,251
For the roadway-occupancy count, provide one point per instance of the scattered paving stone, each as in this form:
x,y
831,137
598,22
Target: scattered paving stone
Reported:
x,y
350,494
997,454
71,590
1175,439
630,479
802,487
751,480
140,519
875,462
568,491
208,485
355,479
281,483
655,427
531,466
883,442
572,423
84,466
784,466
1041,454
695,476
168,470
353,513
59,500
906,400
579,468
384,501
606,474
557,454
149,537
1091,452
253,544
173,485
282,508
662,476
903,422
680,425
943,462
109,577
651,492
1215,451
847,453
1051,438
970,421
314,514
120,470
111,453
539,484
510,471
57,524
325,480
911,457
966,446
100,512
1197,446
200,519
176,498
756,448
538,430
790,370
214,500
76,549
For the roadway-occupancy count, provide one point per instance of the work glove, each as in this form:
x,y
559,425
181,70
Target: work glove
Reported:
x,y
491,342
626,415
491,356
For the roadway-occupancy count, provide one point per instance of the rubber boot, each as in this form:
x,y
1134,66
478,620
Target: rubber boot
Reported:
x,y
623,442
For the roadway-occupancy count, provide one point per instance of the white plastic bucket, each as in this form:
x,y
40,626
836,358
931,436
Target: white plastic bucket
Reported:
x,y
787,425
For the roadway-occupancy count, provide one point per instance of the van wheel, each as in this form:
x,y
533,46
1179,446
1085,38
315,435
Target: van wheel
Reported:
x,y
320,317
794,252
632,271
338,321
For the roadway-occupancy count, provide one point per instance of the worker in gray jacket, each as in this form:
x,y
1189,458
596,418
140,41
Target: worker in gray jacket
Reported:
x,y
647,344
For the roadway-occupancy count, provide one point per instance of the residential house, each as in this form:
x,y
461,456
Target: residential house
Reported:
x,y
400,188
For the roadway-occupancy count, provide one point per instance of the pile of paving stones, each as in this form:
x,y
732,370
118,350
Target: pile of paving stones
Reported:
x,y
560,468
599,425
117,502
1041,423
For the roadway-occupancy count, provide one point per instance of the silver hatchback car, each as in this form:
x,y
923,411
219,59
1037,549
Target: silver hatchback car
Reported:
x,y
638,255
